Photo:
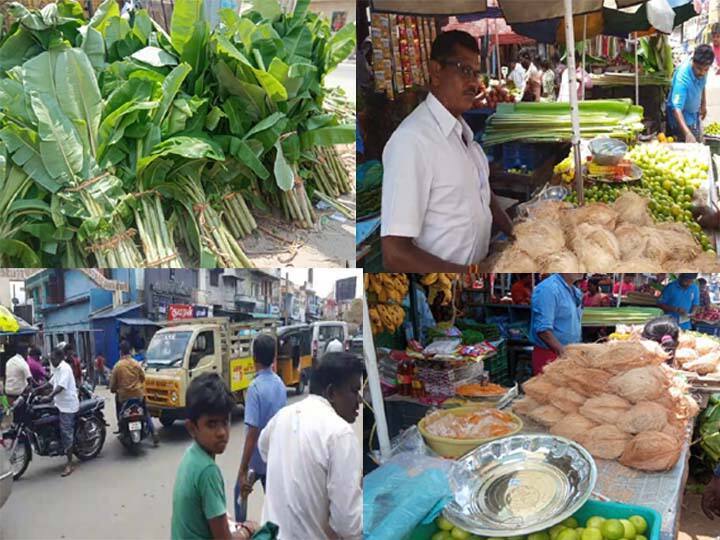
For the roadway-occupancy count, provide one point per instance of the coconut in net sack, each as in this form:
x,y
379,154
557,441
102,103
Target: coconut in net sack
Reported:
x,y
595,247
651,451
562,261
605,409
619,356
599,214
574,427
641,384
606,441
547,415
703,365
588,382
644,416
539,388
525,405
539,238
632,208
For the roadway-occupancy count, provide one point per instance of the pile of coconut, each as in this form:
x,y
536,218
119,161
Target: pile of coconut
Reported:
x,y
617,237
698,353
617,399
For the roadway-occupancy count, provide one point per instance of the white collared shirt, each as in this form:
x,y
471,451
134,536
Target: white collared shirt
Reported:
x,y
436,187
17,373
313,473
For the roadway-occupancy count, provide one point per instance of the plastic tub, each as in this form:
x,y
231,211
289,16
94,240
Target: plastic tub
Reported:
x,y
616,510
454,448
608,510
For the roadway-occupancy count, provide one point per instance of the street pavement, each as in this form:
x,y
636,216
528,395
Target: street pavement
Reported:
x,y
344,77
117,495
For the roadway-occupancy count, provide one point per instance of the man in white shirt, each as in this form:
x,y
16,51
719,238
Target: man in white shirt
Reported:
x,y
437,206
517,76
313,457
65,397
17,376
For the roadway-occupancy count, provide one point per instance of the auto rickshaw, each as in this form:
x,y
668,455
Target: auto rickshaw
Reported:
x,y
294,362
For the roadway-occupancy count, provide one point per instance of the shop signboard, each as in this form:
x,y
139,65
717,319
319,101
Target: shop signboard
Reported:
x,y
179,311
200,311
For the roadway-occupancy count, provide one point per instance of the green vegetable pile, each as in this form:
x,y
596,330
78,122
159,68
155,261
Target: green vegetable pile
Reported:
x,y
669,181
369,188
710,431
124,145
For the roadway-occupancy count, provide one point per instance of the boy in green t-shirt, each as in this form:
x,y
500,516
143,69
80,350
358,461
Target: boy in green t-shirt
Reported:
x,y
199,508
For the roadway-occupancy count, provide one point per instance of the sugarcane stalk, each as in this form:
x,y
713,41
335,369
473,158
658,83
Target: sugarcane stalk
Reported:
x,y
344,210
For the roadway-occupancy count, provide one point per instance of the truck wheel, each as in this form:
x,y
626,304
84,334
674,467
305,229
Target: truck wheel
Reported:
x,y
166,420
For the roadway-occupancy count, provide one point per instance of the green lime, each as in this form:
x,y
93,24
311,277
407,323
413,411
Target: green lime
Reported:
x,y
555,530
630,532
459,534
443,524
641,537
568,534
612,529
570,523
591,534
543,535
442,535
640,524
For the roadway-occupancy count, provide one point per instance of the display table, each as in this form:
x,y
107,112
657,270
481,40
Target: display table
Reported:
x,y
662,491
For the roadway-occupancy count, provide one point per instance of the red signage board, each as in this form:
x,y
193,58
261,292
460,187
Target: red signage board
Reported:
x,y
179,311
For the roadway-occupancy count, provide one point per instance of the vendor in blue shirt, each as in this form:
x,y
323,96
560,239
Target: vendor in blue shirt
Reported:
x,y
556,307
680,298
686,104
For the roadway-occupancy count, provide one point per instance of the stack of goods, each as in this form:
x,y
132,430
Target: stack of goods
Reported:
x,y
550,122
369,188
385,295
698,353
604,316
440,284
488,98
618,237
710,431
617,399
670,181
713,129
708,315
124,145
401,52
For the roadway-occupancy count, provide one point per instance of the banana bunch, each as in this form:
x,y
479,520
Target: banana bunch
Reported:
x,y
439,283
386,317
387,287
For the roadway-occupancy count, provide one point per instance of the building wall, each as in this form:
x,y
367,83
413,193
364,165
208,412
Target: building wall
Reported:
x,y
163,287
328,7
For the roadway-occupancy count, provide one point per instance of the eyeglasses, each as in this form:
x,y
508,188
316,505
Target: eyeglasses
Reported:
x,y
466,71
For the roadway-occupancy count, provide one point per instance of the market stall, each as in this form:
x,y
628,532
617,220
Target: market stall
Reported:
x,y
527,143
625,401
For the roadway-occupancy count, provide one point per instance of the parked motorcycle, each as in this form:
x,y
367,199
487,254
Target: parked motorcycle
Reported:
x,y
132,424
36,427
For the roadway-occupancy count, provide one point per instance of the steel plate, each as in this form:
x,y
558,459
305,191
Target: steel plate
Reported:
x,y
519,485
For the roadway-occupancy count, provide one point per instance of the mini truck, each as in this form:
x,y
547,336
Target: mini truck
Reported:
x,y
184,349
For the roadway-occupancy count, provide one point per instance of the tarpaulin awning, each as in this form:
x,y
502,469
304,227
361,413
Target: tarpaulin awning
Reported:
x,y
495,28
138,322
8,321
429,7
23,327
115,311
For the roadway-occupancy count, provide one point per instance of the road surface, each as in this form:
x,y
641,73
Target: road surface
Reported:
x,y
117,495
344,77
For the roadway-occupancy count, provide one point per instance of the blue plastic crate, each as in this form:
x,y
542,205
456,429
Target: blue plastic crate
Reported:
x,y
707,329
608,510
517,155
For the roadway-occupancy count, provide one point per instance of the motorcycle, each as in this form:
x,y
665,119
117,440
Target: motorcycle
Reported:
x,y
36,427
132,424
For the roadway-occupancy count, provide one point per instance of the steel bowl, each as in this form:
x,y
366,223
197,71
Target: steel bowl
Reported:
x,y
607,151
519,485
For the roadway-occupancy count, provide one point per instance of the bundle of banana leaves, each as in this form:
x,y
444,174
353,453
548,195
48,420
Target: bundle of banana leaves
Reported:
x,y
710,431
122,144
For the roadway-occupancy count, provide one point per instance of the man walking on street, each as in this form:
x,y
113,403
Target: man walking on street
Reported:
x,y
17,375
65,397
100,370
265,397
127,381
313,443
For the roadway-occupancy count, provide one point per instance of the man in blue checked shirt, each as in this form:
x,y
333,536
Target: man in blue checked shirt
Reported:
x,y
686,104
711,496
556,319
680,298
265,397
